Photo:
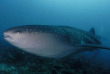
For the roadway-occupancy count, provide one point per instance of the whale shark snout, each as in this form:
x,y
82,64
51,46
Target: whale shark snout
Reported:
x,y
7,36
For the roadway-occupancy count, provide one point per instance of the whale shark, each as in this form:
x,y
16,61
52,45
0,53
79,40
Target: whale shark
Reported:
x,y
52,41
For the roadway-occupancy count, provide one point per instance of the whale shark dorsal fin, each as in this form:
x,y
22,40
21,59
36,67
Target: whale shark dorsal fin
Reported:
x,y
92,31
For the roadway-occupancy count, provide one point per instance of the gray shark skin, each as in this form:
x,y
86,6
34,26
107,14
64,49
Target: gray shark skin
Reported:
x,y
52,41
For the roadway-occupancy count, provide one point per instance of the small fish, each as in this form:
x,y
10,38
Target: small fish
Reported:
x,y
52,41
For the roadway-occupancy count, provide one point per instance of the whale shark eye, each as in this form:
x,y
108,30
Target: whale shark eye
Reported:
x,y
18,32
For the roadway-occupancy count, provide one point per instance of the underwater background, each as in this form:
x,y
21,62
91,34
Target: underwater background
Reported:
x,y
82,14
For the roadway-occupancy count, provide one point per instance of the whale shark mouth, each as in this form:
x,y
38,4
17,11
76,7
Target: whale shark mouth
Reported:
x,y
7,36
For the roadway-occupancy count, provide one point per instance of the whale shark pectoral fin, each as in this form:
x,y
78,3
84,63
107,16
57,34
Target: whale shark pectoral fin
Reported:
x,y
95,46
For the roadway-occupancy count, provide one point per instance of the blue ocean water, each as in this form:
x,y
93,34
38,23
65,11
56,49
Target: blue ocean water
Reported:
x,y
82,14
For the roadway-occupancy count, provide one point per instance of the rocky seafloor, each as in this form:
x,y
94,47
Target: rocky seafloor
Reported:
x,y
15,61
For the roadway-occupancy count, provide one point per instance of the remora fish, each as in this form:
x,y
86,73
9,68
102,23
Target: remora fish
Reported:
x,y
52,41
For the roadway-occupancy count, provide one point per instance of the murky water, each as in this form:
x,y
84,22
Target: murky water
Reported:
x,y
82,14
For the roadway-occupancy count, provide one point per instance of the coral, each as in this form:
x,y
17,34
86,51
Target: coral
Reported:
x,y
15,61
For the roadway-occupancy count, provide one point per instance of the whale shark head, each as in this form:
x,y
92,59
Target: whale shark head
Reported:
x,y
16,35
